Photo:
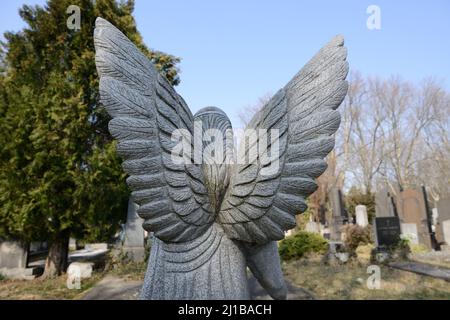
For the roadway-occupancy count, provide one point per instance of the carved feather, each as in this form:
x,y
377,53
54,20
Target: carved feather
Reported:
x,y
146,110
259,207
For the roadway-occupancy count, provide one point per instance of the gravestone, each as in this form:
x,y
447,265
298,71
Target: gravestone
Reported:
x,y
446,231
412,210
14,258
312,227
339,215
384,205
322,215
101,246
134,240
361,216
387,231
409,230
81,269
38,246
443,211
13,254
72,244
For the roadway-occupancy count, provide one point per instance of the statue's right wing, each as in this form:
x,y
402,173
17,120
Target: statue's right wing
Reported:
x,y
269,188
146,111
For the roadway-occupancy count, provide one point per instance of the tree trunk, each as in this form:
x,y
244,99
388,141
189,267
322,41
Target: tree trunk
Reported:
x,y
57,259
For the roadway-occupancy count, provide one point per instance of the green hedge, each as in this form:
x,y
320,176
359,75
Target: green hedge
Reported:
x,y
300,244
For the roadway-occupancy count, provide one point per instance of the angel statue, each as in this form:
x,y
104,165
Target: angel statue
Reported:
x,y
211,220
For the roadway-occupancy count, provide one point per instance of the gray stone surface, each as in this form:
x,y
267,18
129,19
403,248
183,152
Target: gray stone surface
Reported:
x,y
446,231
442,229
211,219
112,288
96,256
13,255
383,203
134,240
338,217
423,269
21,273
96,246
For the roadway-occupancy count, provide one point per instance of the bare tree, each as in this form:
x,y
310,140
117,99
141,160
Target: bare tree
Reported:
x,y
392,132
433,169
247,113
365,138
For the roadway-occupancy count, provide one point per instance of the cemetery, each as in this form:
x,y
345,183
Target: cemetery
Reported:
x,y
343,192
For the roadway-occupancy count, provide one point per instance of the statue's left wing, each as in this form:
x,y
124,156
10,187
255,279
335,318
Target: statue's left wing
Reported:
x,y
146,111
272,182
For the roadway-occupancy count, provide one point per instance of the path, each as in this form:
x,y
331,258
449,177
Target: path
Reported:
x,y
114,288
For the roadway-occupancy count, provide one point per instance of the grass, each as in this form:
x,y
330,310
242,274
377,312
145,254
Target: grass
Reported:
x,y
348,282
56,288
129,271
341,282
49,289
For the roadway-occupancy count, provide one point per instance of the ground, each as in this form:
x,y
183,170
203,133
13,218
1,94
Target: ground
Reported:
x,y
349,281
51,289
306,278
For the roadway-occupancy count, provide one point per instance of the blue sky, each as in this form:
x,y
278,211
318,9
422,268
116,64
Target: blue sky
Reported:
x,y
236,51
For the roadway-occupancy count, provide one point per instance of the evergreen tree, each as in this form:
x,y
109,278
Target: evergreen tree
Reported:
x,y
59,175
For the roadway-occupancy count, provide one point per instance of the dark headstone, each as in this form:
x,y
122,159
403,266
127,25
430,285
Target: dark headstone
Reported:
x,y
387,231
339,214
322,214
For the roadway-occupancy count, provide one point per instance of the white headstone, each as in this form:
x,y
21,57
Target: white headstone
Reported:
x,y
72,244
312,227
80,269
289,233
409,230
361,216
446,231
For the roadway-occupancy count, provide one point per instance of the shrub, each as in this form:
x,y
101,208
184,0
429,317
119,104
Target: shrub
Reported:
x,y
356,235
300,244
363,253
356,197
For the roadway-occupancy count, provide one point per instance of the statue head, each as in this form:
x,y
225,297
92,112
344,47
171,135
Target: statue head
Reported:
x,y
217,151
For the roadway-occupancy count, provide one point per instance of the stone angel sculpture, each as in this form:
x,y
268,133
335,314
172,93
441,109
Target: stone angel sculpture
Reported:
x,y
213,220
